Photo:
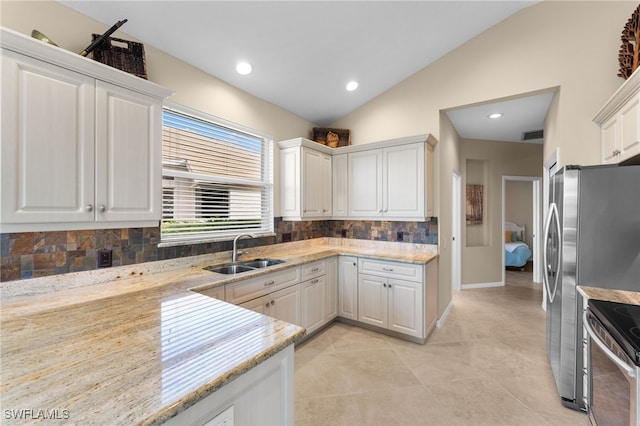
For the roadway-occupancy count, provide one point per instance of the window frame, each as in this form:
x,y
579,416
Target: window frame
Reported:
x,y
267,173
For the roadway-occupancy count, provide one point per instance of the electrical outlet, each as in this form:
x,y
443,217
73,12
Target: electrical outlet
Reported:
x,y
105,258
399,236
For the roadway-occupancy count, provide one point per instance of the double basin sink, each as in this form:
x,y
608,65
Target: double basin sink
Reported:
x,y
250,265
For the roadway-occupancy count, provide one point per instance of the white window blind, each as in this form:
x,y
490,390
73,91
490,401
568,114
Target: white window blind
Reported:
x,y
217,178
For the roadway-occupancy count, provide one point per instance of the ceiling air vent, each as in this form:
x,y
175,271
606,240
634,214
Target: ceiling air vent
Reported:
x,y
534,134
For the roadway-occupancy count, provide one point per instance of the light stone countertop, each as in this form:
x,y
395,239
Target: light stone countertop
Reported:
x,y
619,296
135,344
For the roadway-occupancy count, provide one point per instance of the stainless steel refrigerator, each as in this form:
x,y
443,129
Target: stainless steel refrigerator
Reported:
x,y
592,238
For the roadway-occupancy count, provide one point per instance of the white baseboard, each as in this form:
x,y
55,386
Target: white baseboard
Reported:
x,y
482,285
441,320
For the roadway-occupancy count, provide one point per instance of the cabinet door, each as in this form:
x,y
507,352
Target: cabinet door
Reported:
x,y
405,307
326,176
129,157
47,143
372,300
312,183
609,142
313,294
348,287
630,129
290,183
403,181
258,305
365,184
340,180
285,305
331,290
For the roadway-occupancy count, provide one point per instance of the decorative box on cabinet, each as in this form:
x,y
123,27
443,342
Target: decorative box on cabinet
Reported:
x,y
619,121
81,141
305,180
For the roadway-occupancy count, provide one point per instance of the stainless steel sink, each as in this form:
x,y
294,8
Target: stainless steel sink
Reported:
x,y
230,269
250,265
262,263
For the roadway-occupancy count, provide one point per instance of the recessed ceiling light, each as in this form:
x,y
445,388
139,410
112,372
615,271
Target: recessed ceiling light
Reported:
x,y
244,68
352,85
495,115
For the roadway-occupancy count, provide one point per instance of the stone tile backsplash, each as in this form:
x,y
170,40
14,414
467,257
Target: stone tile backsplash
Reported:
x,y
37,254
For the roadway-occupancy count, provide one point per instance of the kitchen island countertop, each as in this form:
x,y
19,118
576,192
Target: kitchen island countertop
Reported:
x,y
136,345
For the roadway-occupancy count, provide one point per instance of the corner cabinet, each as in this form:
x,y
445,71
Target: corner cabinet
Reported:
x,y
305,180
391,180
619,121
81,141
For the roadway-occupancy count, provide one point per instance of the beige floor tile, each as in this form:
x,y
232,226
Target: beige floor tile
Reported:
x,y
486,366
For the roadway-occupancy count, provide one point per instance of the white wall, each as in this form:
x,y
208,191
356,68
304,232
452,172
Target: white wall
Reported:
x,y
193,88
569,45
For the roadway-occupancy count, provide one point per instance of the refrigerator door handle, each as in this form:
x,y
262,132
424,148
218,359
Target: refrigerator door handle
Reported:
x,y
553,212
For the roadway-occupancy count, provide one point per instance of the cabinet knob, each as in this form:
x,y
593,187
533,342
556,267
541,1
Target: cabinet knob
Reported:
x,y
89,208
102,208
273,302
389,285
384,285
384,210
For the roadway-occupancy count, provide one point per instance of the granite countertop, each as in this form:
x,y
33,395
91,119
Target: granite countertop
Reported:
x,y
136,344
619,296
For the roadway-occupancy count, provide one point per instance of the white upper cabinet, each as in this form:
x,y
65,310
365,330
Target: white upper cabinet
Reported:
x,y
390,180
305,180
619,121
340,182
394,183
78,152
128,134
365,184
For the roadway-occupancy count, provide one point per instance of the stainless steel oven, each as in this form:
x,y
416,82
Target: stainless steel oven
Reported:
x,y
614,332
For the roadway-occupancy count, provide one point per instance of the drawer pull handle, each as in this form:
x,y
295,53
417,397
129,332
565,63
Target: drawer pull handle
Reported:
x,y
314,281
387,269
316,269
268,283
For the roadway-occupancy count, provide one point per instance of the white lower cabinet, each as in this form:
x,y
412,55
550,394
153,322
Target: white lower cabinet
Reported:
x,y
348,287
313,301
282,304
319,294
393,298
396,296
261,396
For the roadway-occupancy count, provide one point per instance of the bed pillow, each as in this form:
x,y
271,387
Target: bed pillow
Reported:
x,y
508,236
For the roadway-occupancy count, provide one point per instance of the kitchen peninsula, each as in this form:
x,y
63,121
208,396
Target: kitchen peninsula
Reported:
x,y
142,344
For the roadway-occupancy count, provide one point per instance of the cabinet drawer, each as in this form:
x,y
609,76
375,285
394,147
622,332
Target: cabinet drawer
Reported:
x,y
405,271
251,288
312,270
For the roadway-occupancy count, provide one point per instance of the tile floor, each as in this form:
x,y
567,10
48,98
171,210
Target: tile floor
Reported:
x,y
486,366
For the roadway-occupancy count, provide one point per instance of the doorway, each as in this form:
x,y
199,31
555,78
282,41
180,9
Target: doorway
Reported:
x,y
522,205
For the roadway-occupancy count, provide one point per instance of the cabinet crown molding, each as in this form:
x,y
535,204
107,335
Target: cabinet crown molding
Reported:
x,y
28,46
625,92
296,142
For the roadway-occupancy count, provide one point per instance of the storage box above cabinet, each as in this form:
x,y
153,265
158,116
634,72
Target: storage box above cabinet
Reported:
x,y
79,152
619,121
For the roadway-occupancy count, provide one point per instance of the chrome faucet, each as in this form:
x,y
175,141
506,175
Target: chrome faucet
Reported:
x,y
234,254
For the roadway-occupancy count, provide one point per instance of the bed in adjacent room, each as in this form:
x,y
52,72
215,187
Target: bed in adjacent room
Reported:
x,y
516,250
